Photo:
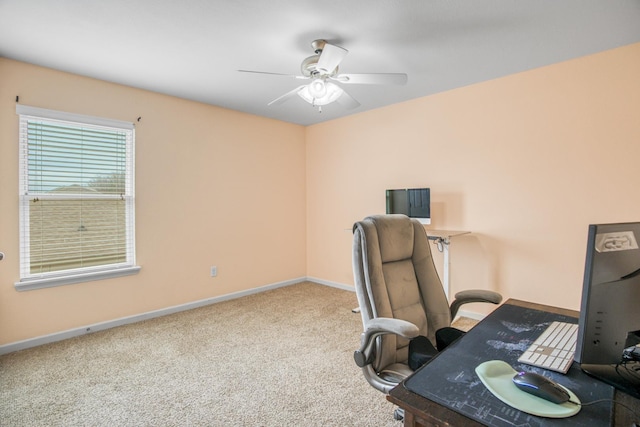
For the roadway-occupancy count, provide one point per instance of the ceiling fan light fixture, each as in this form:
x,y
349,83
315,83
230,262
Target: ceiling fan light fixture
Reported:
x,y
332,93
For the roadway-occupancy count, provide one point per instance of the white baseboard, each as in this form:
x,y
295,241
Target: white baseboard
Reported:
x,y
83,330
332,284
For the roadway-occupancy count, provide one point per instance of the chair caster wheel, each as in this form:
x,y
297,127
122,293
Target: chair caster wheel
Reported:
x,y
398,414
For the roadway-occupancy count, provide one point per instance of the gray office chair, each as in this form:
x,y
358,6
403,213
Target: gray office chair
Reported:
x,y
400,295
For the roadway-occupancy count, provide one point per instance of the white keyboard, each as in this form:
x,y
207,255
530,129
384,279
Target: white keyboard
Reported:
x,y
554,349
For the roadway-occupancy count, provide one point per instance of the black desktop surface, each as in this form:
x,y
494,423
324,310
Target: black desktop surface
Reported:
x,y
450,379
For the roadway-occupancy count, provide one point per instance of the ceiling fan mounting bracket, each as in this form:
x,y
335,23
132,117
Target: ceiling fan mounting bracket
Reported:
x,y
318,45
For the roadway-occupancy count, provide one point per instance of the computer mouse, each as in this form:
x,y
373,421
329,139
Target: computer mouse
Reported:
x,y
541,386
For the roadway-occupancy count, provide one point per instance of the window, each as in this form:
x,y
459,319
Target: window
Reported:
x,y
76,198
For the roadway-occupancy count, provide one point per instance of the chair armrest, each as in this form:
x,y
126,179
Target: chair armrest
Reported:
x,y
474,295
381,326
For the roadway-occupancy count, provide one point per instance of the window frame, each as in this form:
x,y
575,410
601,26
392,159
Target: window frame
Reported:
x,y
30,281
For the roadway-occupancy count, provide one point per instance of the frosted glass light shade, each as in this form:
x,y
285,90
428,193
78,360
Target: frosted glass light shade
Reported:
x,y
333,92
317,88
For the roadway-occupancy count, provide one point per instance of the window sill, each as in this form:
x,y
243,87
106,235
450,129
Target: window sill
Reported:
x,y
50,282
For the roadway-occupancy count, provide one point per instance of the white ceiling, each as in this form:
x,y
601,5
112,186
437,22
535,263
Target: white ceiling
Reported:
x,y
193,48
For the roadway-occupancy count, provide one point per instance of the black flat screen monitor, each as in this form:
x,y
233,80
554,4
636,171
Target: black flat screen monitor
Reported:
x,y
610,307
412,202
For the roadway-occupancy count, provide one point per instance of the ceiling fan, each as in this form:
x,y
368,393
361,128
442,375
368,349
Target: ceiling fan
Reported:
x,y
322,71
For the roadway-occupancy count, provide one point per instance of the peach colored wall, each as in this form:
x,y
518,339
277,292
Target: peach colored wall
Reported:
x,y
214,187
526,162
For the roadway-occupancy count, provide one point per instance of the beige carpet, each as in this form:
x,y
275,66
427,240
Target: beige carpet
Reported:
x,y
279,358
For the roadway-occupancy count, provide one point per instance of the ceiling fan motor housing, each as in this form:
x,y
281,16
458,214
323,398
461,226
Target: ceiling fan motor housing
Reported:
x,y
309,66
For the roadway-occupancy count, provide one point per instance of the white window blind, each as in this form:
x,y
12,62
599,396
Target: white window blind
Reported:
x,y
76,195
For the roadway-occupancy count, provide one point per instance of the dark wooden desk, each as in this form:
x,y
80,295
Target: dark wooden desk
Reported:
x,y
419,411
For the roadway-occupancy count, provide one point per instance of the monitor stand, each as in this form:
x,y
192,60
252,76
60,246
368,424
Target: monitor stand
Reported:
x,y
623,376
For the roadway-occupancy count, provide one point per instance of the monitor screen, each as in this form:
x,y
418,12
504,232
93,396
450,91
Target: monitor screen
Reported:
x,y
412,202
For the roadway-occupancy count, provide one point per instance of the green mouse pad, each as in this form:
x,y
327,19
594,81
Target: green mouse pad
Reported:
x,y
497,376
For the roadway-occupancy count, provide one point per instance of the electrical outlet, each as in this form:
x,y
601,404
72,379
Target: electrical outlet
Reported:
x,y
214,271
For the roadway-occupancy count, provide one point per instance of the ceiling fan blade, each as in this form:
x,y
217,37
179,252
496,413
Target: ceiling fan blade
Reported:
x,y
373,79
286,96
274,74
347,101
330,57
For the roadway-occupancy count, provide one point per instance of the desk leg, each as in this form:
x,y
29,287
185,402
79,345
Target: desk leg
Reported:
x,y
409,419
446,272
443,246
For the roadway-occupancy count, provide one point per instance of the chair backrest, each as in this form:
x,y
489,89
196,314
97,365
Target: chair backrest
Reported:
x,y
395,277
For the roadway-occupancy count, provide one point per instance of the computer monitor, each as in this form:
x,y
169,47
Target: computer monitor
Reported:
x,y
412,202
610,307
